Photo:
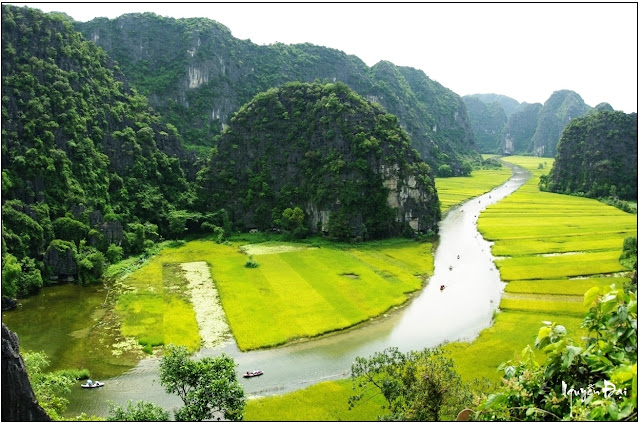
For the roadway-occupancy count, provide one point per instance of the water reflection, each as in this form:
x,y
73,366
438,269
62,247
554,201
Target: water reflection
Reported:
x,y
459,312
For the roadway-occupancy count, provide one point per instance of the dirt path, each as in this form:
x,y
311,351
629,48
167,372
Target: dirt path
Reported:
x,y
210,316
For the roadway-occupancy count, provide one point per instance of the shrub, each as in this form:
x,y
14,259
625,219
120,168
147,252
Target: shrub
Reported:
x,y
114,253
251,263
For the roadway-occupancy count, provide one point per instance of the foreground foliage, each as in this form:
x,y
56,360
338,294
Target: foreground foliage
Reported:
x,y
418,385
594,380
208,387
141,411
50,388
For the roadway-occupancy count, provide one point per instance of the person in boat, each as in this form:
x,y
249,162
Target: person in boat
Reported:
x,y
441,287
89,382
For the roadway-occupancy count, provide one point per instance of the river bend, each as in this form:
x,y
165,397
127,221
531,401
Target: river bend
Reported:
x,y
459,312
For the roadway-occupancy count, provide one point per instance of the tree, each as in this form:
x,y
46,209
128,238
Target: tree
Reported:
x,y
206,386
69,229
142,411
419,385
11,272
292,218
49,388
593,381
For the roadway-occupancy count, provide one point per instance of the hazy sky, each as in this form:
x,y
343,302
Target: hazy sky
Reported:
x,y
524,51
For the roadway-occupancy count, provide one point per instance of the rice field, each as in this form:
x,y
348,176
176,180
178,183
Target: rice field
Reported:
x,y
550,248
455,190
326,401
297,291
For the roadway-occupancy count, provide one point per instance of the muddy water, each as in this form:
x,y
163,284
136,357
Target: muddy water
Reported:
x,y
459,312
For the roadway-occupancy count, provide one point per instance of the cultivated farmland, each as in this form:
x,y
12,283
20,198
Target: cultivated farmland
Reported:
x,y
456,190
296,291
551,249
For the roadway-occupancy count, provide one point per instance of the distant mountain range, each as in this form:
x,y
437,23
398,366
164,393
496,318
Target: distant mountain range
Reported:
x,y
502,125
197,75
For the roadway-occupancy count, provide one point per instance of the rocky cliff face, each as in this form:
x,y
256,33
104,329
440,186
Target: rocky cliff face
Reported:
x,y
198,75
322,148
529,128
18,400
487,121
555,114
520,129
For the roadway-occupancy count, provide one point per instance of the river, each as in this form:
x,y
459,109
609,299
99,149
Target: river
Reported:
x,y
459,312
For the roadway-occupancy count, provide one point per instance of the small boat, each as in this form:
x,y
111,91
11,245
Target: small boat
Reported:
x,y
441,287
253,373
450,267
90,385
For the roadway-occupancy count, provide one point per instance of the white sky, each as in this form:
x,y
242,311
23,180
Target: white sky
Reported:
x,y
524,51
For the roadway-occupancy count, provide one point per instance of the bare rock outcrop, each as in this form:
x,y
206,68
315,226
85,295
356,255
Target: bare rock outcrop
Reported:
x,y
18,399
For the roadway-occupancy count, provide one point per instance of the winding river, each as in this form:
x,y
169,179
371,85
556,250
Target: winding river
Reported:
x,y
459,312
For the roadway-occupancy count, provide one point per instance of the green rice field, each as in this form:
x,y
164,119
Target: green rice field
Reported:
x,y
550,248
326,401
456,190
297,290
554,244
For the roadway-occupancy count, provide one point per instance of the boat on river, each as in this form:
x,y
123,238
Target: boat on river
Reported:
x,y
253,373
91,385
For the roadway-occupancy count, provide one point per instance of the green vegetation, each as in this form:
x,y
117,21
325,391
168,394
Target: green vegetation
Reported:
x,y
339,287
318,158
597,158
141,411
50,387
527,302
541,237
453,191
595,379
419,385
326,401
81,161
223,73
207,386
511,331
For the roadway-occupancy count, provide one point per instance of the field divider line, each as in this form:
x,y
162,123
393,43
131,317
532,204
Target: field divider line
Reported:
x,y
212,321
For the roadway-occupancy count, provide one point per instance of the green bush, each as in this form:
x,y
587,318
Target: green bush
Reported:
x,y
251,263
114,253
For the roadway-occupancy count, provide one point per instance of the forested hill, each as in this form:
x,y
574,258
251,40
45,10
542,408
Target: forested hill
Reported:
x,y
84,163
597,157
90,174
529,128
320,158
197,75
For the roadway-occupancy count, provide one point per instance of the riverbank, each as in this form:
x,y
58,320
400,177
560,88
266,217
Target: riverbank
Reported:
x,y
515,326
428,320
